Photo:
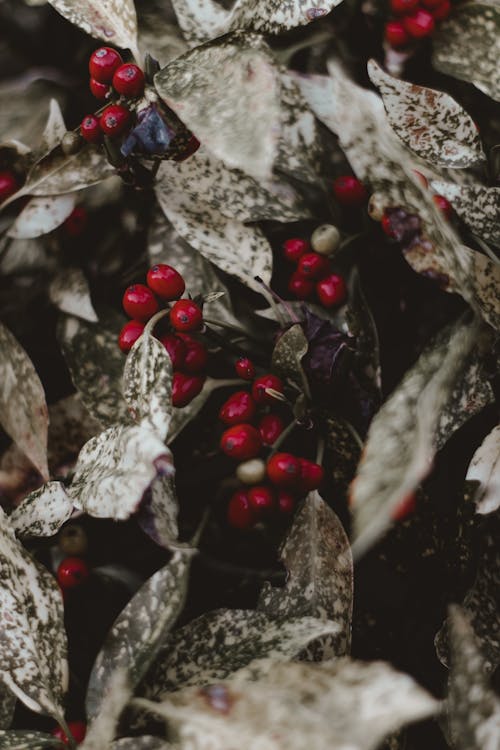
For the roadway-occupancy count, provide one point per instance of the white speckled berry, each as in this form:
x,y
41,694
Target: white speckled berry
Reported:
x,y
325,239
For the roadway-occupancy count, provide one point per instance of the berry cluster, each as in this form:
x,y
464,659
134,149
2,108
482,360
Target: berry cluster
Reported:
x,y
414,20
189,356
269,486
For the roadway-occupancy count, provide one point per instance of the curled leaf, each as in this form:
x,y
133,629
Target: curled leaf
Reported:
x,y
42,512
485,469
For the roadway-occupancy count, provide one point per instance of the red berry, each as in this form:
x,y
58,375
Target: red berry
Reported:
x,y
294,249
395,34
128,80
196,358
245,368
402,7
129,334
114,119
260,385
139,302
442,11
430,4
420,24
261,500
313,266
72,572
283,470
185,315
386,225
311,475
166,282
189,149
270,427
76,222
185,388
286,502
8,184
90,130
331,290
349,191
240,407
98,89
103,63
407,506
299,286
444,205
176,349
241,442
239,513
78,730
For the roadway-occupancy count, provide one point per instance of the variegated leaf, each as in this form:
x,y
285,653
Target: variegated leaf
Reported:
x,y
7,707
473,706
218,643
113,21
485,469
361,325
42,512
41,216
287,356
23,410
96,364
159,510
147,383
429,122
163,47
343,451
54,129
69,291
20,739
33,646
227,92
104,726
477,205
467,46
318,560
341,705
115,469
146,742
141,628
401,440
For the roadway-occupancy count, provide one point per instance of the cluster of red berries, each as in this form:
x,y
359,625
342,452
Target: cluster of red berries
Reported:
x,y
108,72
414,20
269,486
189,356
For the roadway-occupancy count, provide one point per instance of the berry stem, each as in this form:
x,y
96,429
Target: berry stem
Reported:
x,y
320,450
154,320
281,439
71,740
227,326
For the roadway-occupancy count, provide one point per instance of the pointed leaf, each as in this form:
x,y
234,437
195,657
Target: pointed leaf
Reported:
x,y
70,292
158,513
54,129
287,356
41,216
429,122
467,46
485,469
317,556
42,512
478,206
20,739
23,410
104,726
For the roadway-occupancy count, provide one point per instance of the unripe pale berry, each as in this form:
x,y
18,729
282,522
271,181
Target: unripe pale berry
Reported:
x,y
139,302
252,471
71,143
103,63
72,540
325,239
283,469
241,442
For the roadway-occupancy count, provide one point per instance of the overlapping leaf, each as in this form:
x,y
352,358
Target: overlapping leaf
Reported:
x,y
287,356
103,727
23,410
477,205
19,739
7,707
159,510
429,122
467,46
42,512
485,469
69,291
41,216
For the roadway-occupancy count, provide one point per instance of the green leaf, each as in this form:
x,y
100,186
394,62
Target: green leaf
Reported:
x,y
115,469
478,206
287,356
42,512
33,646
23,410
69,291
20,739
466,46
141,628
402,437
485,469
432,124
318,560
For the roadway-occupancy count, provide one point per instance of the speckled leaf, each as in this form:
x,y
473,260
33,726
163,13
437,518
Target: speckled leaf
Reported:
x,y
401,440
41,216
42,512
96,364
69,291
54,129
141,628
343,452
287,356
20,739
473,706
485,469
478,206
33,645
146,742
7,707
115,469
113,21
361,325
229,191
104,726
218,643
317,557
429,122
467,46
23,410
157,516
147,383
227,93
341,705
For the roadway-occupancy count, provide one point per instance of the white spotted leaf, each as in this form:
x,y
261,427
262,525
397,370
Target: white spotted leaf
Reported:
x,y
159,510
69,291
477,205
42,512
41,216
22,739
145,742
290,348
485,469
